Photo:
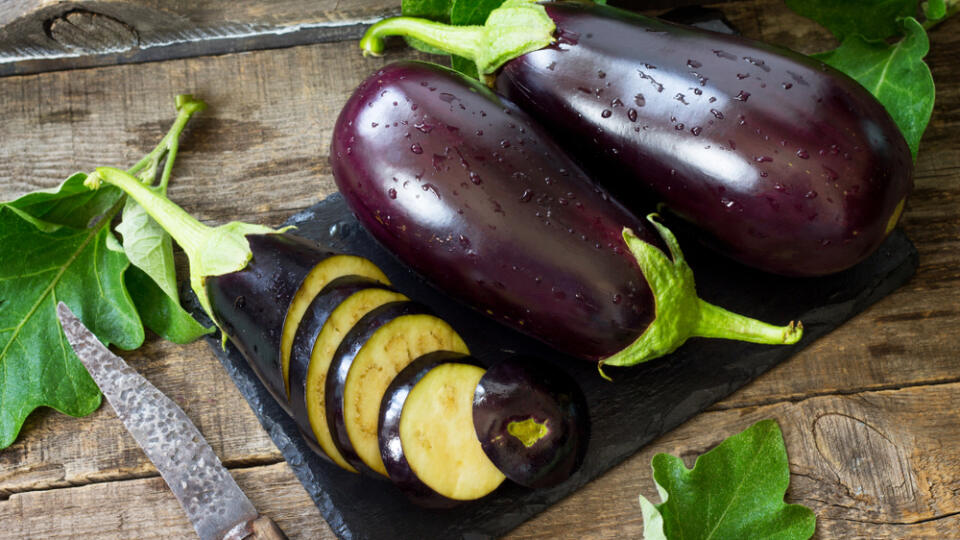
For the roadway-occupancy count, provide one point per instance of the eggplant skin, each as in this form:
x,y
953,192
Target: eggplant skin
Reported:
x,y
784,163
468,191
531,392
251,305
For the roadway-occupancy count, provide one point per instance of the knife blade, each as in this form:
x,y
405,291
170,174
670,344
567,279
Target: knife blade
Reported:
x,y
211,498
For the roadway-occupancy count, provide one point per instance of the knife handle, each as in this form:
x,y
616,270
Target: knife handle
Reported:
x,y
263,528
260,528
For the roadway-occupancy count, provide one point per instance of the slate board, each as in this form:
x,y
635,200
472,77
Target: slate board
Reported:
x,y
640,404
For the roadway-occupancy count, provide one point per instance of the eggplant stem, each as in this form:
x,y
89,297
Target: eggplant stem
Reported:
x,y
679,313
514,29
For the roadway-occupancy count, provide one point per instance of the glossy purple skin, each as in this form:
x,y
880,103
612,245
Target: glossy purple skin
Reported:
x,y
787,164
464,188
312,323
522,388
352,342
391,449
251,305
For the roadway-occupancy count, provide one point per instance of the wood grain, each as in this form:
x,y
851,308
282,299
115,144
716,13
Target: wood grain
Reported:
x,y
898,480
868,412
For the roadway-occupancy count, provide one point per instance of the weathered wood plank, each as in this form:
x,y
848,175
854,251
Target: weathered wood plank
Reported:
x,y
871,465
259,154
52,35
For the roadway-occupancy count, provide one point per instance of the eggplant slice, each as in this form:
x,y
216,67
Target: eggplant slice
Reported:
x,y
338,324
391,447
381,344
305,339
532,421
437,436
320,275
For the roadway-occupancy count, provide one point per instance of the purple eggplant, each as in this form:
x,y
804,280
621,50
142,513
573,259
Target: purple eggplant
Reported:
x,y
532,421
466,189
781,161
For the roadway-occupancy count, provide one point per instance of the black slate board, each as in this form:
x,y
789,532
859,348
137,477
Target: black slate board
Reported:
x,y
641,403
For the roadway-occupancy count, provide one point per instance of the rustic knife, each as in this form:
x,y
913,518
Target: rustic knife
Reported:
x,y
211,498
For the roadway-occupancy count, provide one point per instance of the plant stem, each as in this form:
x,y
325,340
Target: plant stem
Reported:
x,y
187,105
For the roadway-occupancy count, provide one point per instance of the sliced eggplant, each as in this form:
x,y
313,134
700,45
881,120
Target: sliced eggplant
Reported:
x,y
532,421
391,447
341,320
250,305
437,436
320,275
381,344
305,339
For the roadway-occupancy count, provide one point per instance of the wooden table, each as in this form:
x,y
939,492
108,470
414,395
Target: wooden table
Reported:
x,y
869,413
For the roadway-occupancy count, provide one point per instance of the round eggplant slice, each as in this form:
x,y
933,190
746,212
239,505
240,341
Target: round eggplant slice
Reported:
x,y
532,421
320,275
305,338
381,344
250,305
437,435
341,320
391,447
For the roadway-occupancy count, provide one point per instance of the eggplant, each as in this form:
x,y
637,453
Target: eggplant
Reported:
x,y
426,435
371,354
391,445
314,385
468,191
532,421
780,161
305,340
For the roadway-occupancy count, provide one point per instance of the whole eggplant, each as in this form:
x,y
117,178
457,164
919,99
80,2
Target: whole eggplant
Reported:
x,y
785,163
470,192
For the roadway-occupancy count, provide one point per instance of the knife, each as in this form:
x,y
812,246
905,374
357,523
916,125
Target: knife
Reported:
x,y
211,498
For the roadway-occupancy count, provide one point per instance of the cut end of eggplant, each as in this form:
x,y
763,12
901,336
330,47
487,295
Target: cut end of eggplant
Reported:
x,y
437,436
531,420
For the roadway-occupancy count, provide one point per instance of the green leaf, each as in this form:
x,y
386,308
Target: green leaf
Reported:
x,y
70,204
735,490
895,74
161,312
935,10
148,246
468,12
872,19
38,268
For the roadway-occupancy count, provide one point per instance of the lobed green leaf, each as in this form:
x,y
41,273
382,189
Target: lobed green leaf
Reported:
x,y
872,19
735,490
895,74
38,268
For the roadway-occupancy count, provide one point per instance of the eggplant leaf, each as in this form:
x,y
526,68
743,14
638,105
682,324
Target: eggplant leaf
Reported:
x,y
161,312
148,246
40,266
71,204
895,74
735,490
872,19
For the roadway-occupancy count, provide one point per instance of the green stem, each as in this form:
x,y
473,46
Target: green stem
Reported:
x,y
212,251
679,313
184,228
187,106
514,29
464,41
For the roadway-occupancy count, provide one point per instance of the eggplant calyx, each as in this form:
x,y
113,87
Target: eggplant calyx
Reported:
x,y
211,251
514,29
680,314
